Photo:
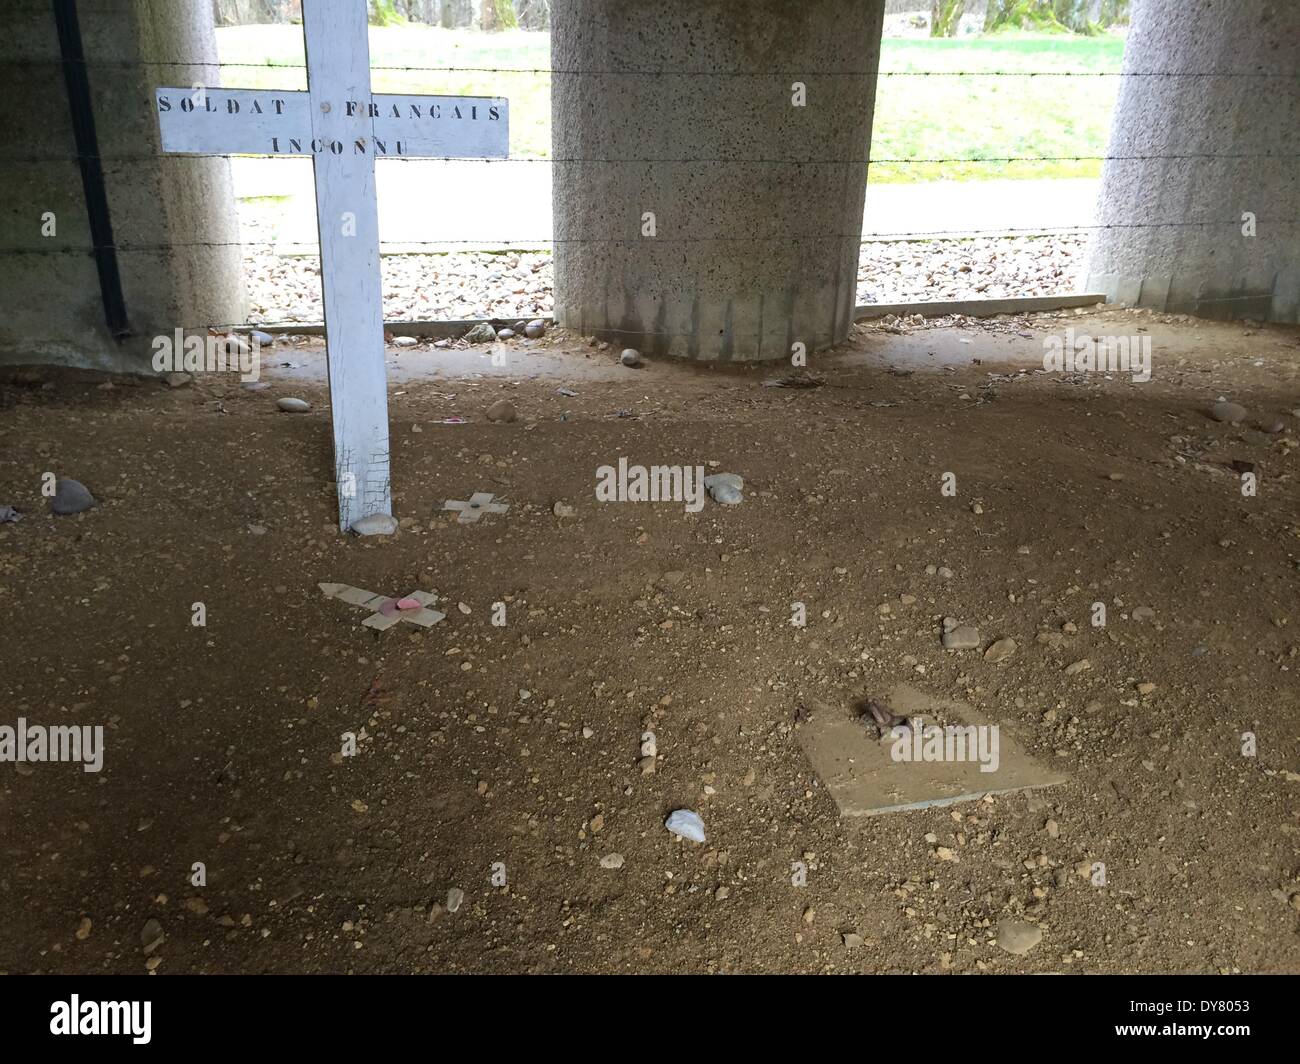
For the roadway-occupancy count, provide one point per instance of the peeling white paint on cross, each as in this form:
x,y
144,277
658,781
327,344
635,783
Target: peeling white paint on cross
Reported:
x,y
344,128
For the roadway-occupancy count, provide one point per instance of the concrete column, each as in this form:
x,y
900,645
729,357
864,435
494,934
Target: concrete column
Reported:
x,y
756,203
1195,258
53,311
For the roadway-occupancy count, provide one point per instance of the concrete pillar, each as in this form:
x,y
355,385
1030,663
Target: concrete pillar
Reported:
x,y
756,203
53,309
1200,262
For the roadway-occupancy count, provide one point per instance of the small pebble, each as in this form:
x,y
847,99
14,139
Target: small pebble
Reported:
x,y
686,823
963,637
502,410
1018,937
1000,651
375,525
630,357
293,406
71,497
455,896
1232,413
151,936
725,488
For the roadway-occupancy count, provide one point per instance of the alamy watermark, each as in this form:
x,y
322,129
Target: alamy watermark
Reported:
x,y
60,742
917,742
656,483
1098,354
205,353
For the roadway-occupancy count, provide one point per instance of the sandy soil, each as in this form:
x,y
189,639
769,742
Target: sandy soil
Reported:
x,y
520,744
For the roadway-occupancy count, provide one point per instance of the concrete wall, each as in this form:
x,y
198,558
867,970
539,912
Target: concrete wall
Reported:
x,y
53,310
757,203
1205,265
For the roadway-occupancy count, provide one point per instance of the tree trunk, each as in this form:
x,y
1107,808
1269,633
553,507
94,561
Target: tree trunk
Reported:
x,y
945,17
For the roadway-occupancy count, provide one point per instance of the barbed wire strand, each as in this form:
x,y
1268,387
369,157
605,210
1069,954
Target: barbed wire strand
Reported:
x,y
667,71
1183,157
508,243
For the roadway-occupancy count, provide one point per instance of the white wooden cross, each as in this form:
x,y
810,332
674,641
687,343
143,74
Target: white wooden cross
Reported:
x,y
344,128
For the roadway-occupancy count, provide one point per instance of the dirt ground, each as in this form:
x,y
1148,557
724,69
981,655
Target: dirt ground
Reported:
x,y
519,745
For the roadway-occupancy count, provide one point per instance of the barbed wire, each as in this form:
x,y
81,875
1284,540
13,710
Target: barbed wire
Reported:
x,y
671,72
1178,157
508,243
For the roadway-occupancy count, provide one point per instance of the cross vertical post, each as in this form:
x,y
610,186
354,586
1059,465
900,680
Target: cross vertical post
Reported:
x,y
343,126
338,74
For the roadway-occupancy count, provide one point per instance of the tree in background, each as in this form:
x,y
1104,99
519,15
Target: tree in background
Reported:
x,y
945,17
498,15
1069,16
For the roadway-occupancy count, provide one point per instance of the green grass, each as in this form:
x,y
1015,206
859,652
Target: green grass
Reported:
x,y
968,117
982,117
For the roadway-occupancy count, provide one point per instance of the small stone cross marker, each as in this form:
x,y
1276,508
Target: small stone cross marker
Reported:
x,y
387,612
480,503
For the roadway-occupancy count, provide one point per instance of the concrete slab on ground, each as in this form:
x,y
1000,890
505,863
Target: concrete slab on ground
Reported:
x,y
864,780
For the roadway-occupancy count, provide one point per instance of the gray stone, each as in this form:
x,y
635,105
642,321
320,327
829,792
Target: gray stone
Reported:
x,y
725,488
375,525
455,898
151,936
71,497
535,329
612,860
563,509
405,341
482,333
293,406
1018,937
1143,613
1232,413
963,637
1000,651
501,410
178,379
262,339
630,357
506,334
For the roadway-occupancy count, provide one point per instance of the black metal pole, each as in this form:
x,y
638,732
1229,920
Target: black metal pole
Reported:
x,y
92,172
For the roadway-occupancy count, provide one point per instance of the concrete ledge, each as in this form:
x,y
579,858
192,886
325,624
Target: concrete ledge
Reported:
x,y
980,308
975,308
